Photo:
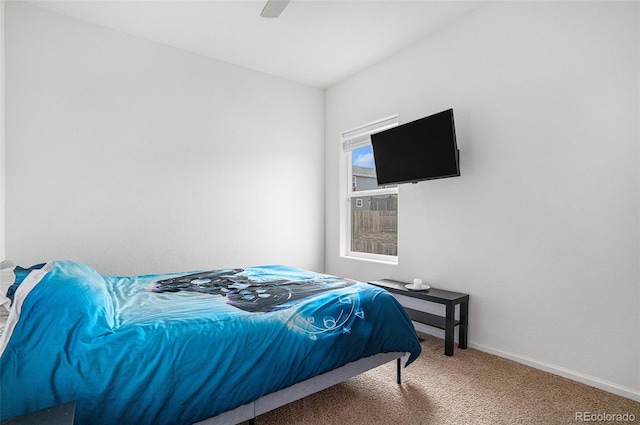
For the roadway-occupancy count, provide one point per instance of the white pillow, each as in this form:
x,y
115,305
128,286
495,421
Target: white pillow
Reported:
x,y
7,278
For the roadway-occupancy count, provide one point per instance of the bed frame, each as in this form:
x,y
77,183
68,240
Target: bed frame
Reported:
x,y
266,403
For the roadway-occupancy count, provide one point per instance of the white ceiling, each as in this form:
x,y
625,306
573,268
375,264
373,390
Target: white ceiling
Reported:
x,y
313,42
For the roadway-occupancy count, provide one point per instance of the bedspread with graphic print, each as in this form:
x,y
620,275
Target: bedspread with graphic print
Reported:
x,y
179,348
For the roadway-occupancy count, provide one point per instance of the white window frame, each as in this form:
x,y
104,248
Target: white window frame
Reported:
x,y
352,140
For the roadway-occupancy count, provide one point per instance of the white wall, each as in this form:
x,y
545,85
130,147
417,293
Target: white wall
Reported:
x,y
135,157
542,227
2,162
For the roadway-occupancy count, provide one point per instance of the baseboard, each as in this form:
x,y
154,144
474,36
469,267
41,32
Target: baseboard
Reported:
x,y
562,371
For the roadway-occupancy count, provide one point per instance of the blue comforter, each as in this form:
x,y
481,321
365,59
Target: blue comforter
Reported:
x,y
158,349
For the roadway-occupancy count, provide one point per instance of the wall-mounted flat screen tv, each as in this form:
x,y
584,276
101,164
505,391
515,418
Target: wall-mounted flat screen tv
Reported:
x,y
423,149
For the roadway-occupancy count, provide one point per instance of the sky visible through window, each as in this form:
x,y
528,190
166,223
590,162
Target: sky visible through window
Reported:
x,y
363,157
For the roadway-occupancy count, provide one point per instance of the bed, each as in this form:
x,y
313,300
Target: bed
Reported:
x,y
217,346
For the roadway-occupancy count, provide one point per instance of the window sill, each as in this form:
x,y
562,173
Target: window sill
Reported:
x,y
391,262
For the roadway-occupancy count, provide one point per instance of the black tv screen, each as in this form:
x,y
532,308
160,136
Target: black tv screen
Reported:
x,y
423,149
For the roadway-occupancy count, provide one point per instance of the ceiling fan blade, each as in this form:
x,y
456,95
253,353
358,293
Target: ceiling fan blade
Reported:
x,y
274,8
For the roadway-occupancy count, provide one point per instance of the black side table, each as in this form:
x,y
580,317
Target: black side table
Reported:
x,y
448,298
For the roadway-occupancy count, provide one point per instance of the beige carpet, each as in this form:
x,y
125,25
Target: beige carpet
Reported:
x,y
471,387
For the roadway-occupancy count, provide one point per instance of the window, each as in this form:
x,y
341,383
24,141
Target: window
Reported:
x,y
371,210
